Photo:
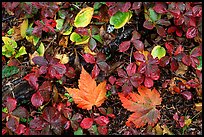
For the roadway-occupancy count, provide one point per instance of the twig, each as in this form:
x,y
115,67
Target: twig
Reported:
x,y
131,54
50,42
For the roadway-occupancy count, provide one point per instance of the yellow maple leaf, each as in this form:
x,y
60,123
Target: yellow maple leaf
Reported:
x,y
88,94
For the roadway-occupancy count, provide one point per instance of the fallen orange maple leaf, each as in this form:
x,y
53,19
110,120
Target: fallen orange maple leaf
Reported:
x,y
143,105
88,93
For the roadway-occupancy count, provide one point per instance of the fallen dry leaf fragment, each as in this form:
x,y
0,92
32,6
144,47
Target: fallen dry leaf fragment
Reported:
x,y
88,93
143,105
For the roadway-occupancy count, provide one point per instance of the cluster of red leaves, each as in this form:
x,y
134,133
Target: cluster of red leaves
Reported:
x,y
125,45
114,7
44,25
99,63
13,116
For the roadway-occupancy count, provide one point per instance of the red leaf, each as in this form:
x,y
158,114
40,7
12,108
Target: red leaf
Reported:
x,y
193,83
4,131
32,80
112,79
126,7
169,47
182,121
174,65
95,71
102,120
131,69
197,11
192,22
12,123
67,125
38,123
37,99
148,82
164,61
196,52
171,29
175,12
176,117
148,25
179,32
139,57
121,72
89,58
136,5
138,45
178,50
191,32
179,21
135,36
21,129
56,70
82,31
103,65
142,68
70,72
20,112
102,110
160,30
111,115
124,46
43,70
11,104
163,22
187,95
102,130
160,7
127,88
186,60
86,123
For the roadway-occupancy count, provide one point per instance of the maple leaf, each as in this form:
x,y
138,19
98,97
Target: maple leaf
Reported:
x,y
143,105
88,93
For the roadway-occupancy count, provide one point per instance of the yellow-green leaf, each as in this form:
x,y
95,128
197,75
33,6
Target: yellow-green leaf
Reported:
x,y
120,19
23,28
9,41
21,52
78,39
59,24
41,49
68,31
83,18
158,51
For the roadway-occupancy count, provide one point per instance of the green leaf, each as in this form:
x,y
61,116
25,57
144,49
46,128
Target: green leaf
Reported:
x,y
153,15
158,51
9,41
35,40
120,19
41,49
97,5
60,23
98,38
93,130
78,39
10,31
199,67
61,14
79,131
9,71
21,51
68,31
5,110
83,18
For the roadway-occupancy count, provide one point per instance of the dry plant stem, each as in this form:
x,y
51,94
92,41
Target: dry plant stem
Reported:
x,y
51,42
